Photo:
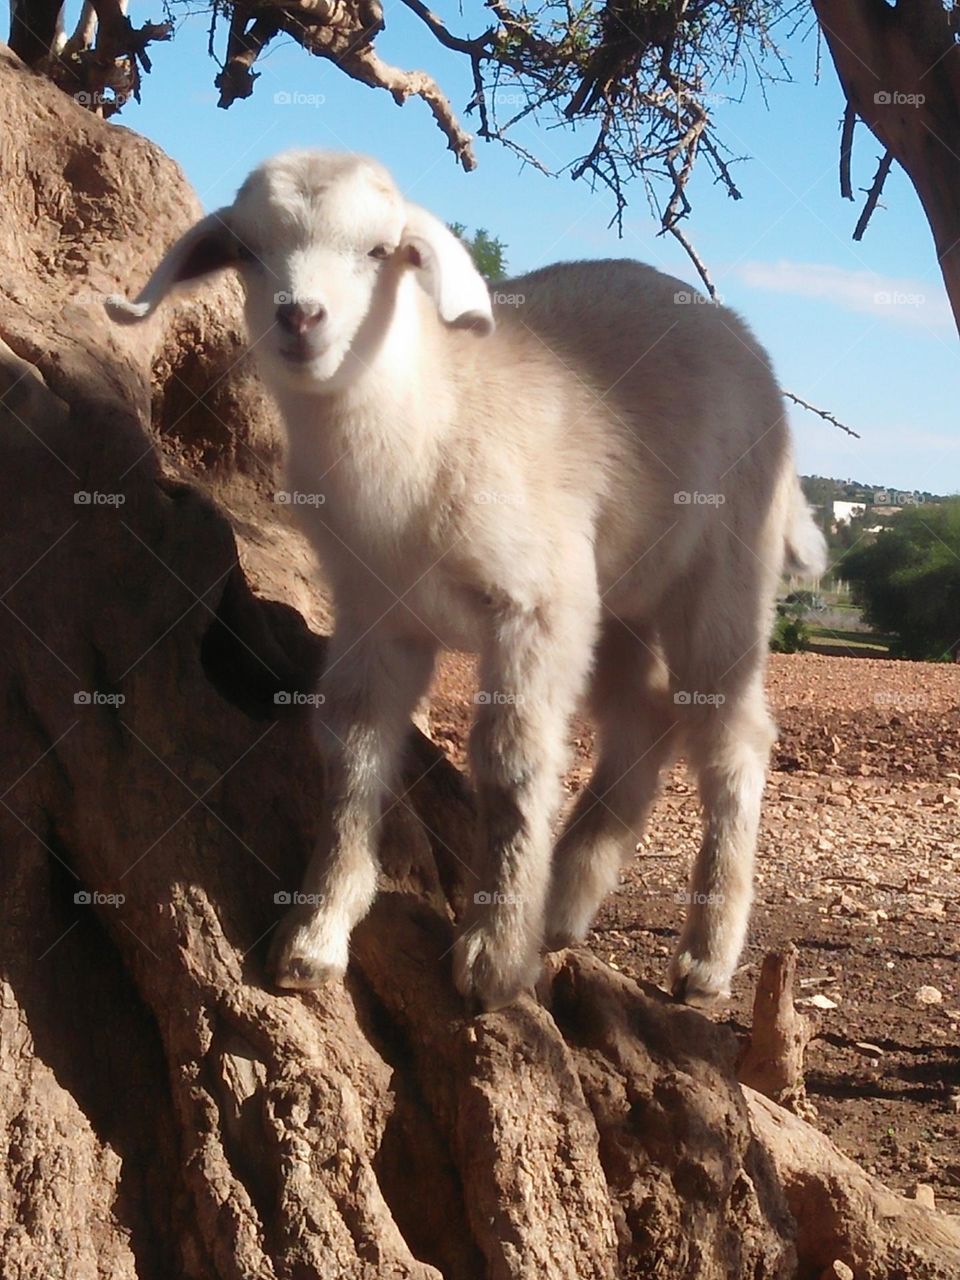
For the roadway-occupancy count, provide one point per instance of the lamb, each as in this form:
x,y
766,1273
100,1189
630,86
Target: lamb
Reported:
x,y
596,493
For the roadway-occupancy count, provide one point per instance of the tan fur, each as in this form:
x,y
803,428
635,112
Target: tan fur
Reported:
x,y
517,495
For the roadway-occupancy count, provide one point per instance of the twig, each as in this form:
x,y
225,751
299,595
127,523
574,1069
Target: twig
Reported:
x,y
846,152
445,36
822,413
873,195
697,261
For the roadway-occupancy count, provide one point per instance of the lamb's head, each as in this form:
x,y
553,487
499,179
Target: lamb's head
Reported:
x,y
322,242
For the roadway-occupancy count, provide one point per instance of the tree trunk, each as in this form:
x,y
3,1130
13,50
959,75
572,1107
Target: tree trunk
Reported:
x,y
165,1113
899,67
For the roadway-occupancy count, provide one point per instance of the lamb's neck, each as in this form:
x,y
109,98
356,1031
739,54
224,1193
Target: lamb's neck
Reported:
x,y
396,414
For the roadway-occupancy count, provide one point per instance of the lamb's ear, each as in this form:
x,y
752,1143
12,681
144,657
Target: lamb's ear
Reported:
x,y
207,247
446,271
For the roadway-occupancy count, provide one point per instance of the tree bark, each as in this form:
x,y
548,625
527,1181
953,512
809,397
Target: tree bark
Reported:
x,y
165,1113
899,67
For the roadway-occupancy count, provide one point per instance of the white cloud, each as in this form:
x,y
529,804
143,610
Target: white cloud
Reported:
x,y
918,303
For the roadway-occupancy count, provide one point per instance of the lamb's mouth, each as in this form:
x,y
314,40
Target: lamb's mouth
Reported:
x,y
299,355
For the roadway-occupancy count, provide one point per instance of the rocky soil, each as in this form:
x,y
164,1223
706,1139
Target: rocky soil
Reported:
x,y
859,866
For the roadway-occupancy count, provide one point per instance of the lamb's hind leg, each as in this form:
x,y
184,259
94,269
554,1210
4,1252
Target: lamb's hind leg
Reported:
x,y
636,723
729,746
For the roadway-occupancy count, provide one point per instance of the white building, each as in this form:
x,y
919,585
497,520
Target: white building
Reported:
x,y
844,512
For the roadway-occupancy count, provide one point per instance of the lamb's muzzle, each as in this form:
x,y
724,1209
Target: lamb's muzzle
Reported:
x,y
599,498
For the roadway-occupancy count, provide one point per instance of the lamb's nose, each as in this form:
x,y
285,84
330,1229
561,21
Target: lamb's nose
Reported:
x,y
298,317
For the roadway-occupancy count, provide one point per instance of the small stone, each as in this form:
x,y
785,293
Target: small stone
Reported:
x,y
923,1194
867,1049
837,1271
818,1001
929,995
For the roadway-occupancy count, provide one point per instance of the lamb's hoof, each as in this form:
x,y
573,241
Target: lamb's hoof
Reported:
x,y
561,939
300,961
487,979
697,982
300,973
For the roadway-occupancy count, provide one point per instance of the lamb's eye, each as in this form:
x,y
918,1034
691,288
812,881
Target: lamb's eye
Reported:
x,y
245,253
379,251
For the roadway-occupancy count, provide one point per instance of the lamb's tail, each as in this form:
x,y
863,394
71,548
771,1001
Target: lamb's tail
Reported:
x,y
805,549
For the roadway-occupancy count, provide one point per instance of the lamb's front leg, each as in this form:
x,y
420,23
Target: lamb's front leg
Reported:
x,y
370,688
531,678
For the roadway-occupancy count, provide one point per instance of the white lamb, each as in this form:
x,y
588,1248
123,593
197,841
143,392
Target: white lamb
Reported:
x,y
598,496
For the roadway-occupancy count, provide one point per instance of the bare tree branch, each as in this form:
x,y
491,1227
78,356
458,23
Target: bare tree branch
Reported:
x,y
445,36
701,267
846,152
873,195
821,413
237,78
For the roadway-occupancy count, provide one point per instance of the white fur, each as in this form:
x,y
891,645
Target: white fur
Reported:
x,y
517,495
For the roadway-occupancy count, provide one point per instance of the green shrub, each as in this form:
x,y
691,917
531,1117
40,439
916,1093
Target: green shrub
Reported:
x,y
790,635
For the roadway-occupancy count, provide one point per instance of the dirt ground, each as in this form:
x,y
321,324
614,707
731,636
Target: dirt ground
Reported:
x,y
859,865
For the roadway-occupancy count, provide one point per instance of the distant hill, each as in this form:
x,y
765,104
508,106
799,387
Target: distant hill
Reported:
x,y
820,490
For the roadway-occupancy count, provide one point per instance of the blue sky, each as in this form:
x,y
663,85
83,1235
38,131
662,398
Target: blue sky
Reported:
x,y
782,256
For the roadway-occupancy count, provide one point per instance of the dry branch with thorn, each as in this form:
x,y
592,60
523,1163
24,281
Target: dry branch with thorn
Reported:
x,y
821,413
874,194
